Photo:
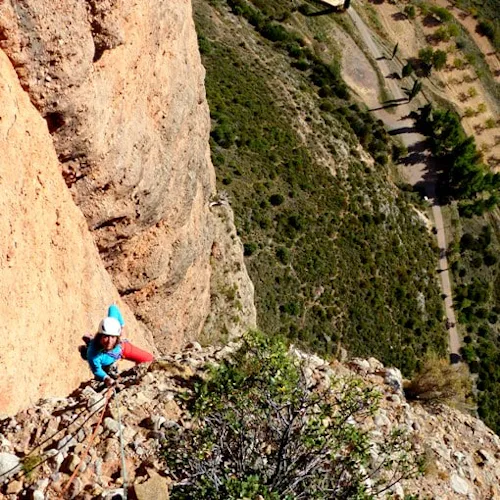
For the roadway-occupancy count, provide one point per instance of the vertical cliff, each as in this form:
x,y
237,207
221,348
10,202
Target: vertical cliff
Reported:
x,y
125,143
120,84
53,285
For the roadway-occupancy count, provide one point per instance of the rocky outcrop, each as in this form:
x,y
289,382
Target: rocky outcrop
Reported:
x,y
462,456
120,84
232,310
53,285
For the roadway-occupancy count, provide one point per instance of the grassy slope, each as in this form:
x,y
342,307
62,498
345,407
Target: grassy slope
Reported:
x,y
477,299
339,257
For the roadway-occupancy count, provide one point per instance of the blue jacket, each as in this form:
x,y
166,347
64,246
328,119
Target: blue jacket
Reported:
x,y
98,358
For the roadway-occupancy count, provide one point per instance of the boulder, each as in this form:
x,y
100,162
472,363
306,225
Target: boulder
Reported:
x,y
459,485
155,487
394,379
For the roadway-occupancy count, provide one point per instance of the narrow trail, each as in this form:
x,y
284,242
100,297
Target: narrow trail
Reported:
x,y
418,169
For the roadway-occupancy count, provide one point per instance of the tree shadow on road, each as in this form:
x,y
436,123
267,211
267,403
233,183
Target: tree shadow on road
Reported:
x,y
431,172
417,153
392,103
402,130
413,159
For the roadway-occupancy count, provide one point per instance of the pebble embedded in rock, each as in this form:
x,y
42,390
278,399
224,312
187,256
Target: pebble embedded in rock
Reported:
x,y
38,495
459,485
111,425
14,487
156,487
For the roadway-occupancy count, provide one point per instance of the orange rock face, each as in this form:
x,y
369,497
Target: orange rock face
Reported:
x,y
54,287
120,84
105,179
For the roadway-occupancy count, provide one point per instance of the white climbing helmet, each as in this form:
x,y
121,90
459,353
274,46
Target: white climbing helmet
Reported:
x,y
110,326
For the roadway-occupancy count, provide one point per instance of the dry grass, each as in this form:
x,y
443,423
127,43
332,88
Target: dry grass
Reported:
x,y
439,382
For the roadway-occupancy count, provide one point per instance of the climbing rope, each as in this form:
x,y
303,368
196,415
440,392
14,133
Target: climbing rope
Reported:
x,y
122,449
89,442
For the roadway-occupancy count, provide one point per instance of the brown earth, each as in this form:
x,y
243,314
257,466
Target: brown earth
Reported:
x,y
470,24
451,83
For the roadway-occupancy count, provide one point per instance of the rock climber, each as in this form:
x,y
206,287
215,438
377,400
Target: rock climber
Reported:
x,y
108,346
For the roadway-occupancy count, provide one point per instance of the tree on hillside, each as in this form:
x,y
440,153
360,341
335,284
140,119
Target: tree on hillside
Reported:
x,y
407,70
447,132
260,432
486,28
441,14
466,177
425,56
409,10
439,59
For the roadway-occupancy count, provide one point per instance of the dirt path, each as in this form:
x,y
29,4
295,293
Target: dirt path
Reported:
x,y
418,169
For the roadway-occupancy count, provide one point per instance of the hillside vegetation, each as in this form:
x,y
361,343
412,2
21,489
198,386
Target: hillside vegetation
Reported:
x,y
464,144
476,272
337,253
488,16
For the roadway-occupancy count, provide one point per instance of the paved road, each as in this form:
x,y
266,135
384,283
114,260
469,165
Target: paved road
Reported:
x,y
418,171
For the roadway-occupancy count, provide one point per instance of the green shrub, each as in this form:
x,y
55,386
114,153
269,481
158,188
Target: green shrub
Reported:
x,y
407,70
442,34
276,199
442,14
223,134
486,28
275,32
260,432
439,59
249,249
283,255
409,10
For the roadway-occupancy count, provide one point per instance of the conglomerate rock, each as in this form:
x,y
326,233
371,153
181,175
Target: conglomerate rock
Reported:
x,y
54,287
107,95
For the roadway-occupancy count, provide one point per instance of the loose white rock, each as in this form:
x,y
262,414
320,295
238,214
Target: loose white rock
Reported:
x,y
9,465
394,379
459,485
111,425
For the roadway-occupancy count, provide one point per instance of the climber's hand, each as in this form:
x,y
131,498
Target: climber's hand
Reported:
x,y
109,382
